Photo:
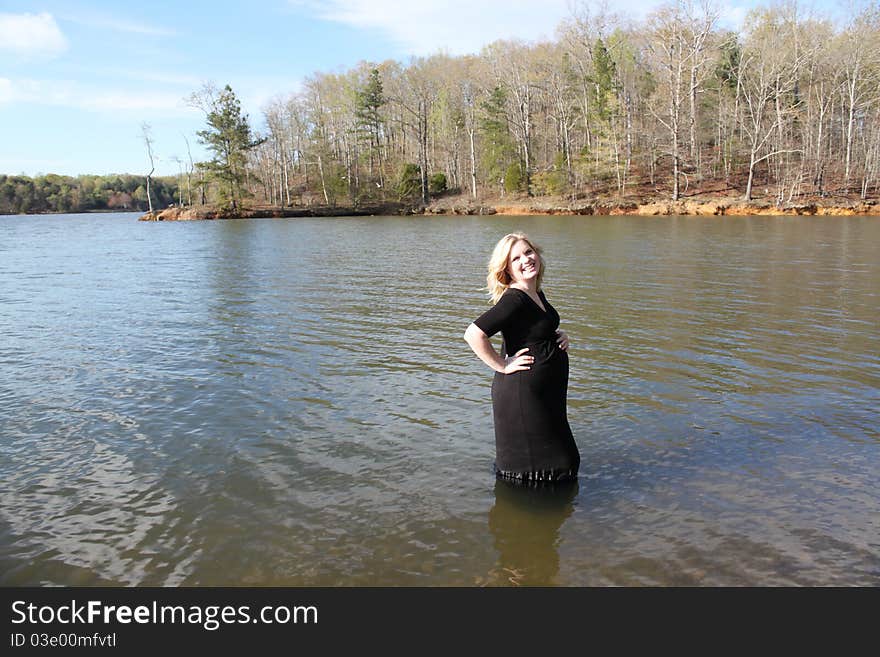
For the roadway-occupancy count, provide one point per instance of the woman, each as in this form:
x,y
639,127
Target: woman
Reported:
x,y
533,440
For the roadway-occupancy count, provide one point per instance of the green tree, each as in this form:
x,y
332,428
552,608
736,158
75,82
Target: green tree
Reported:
x,y
604,81
437,183
513,178
230,139
498,148
336,183
7,195
24,191
368,104
409,182
728,62
553,181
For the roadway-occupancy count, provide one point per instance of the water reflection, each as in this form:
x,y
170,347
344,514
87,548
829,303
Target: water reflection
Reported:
x,y
525,523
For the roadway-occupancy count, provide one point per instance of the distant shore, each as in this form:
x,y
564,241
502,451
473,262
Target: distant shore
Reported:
x,y
59,212
705,205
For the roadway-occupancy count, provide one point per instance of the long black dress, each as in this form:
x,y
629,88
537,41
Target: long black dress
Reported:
x,y
533,440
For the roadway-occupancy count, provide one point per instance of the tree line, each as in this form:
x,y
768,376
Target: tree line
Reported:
x,y
788,106
54,193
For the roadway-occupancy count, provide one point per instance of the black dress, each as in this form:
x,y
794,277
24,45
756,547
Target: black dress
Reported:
x,y
533,441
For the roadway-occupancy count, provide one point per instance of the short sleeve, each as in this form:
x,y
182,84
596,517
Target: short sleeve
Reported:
x,y
499,316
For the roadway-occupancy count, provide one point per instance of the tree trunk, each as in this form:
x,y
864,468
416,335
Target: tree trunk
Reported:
x,y
471,132
748,194
323,184
149,197
286,181
675,114
423,148
849,129
693,116
527,121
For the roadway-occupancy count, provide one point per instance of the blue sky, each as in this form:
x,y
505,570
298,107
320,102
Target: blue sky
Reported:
x,y
79,77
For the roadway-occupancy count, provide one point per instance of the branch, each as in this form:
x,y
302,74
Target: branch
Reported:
x,y
794,150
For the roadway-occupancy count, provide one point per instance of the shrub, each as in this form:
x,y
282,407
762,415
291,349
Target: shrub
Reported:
x,y
437,183
409,184
513,178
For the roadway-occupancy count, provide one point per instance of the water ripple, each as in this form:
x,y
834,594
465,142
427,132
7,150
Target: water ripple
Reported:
x,y
291,402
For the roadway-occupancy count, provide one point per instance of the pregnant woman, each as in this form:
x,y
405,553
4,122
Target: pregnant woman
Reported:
x,y
533,441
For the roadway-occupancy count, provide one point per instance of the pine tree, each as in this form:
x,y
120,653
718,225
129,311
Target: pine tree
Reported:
x,y
604,81
499,149
229,137
368,102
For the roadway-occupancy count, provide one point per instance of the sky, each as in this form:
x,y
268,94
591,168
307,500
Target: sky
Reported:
x,y
79,78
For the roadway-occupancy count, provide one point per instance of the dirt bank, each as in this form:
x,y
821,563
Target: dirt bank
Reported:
x,y
202,213
706,206
703,207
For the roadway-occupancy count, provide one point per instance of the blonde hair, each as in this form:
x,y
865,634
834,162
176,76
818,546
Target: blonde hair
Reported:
x,y
498,280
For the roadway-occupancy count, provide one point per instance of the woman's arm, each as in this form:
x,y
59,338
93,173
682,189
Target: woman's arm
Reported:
x,y
479,342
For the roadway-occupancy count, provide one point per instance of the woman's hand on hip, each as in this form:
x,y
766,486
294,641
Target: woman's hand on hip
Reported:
x,y
562,339
518,362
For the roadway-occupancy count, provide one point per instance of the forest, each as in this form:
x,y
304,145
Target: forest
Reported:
x,y
785,109
63,194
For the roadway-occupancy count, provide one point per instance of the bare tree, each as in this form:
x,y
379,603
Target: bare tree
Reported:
x,y
147,136
414,95
512,65
176,159
860,59
822,86
189,172
677,37
769,76
468,93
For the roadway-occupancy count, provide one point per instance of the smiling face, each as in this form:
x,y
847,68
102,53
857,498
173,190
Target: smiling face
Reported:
x,y
516,261
523,265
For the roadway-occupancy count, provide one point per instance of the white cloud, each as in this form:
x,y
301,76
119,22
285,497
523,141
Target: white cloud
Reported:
x,y
454,26
31,35
115,24
65,93
424,27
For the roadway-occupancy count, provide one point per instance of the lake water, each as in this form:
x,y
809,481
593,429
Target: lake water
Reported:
x,y
291,402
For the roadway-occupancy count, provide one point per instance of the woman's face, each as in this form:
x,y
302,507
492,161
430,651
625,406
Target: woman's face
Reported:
x,y
524,264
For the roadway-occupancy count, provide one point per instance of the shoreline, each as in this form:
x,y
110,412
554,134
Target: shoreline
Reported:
x,y
706,206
